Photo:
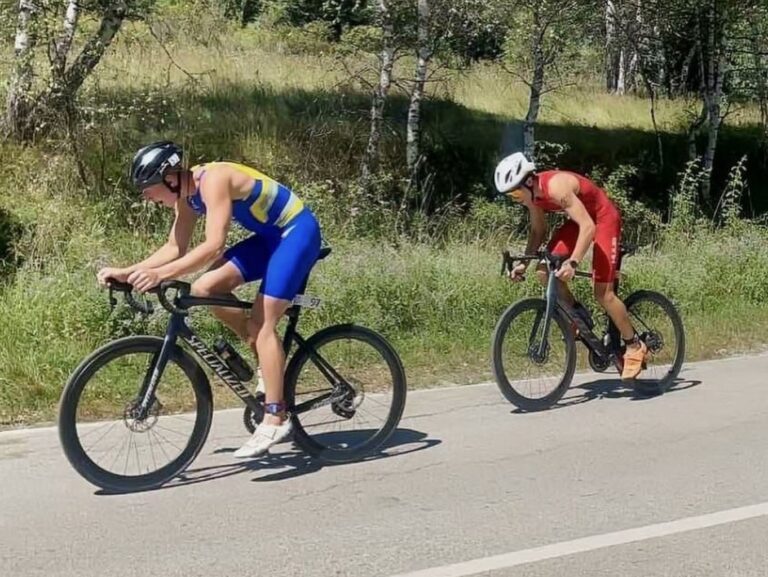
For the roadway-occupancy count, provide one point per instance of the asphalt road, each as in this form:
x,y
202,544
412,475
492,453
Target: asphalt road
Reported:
x,y
604,485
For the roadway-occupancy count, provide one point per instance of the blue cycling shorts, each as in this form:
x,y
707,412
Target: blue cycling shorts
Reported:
x,y
281,260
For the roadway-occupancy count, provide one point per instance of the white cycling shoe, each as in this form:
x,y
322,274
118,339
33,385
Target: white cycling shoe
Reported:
x,y
264,437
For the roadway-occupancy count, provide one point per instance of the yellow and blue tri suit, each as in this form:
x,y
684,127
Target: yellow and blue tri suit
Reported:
x,y
287,240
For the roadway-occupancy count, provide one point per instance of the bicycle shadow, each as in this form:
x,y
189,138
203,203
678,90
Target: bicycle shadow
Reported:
x,y
614,388
294,463
617,389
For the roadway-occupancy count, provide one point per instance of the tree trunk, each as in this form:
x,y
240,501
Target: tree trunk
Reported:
x,y
20,84
715,119
620,82
693,132
632,71
534,102
610,46
64,43
386,62
761,75
92,52
685,72
413,137
713,87
60,95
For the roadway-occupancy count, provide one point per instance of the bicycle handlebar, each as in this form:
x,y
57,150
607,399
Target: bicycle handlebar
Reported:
x,y
508,260
182,288
127,290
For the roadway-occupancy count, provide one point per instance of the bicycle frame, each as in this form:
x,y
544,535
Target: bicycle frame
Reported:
x,y
178,328
553,301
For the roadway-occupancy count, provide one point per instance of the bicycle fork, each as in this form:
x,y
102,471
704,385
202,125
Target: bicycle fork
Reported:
x,y
548,314
156,367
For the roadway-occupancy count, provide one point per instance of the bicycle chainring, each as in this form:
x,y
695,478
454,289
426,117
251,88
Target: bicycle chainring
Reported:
x,y
252,419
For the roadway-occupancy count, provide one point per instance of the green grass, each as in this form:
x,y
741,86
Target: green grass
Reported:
x,y
437,305
429,282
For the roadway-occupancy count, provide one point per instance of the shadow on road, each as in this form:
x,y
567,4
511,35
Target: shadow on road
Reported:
x,y
614,388
296,463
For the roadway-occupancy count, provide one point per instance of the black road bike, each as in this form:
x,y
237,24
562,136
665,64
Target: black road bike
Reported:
x,y
534,343
137,411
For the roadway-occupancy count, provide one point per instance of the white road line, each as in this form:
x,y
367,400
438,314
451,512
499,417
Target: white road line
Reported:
x,y
564,548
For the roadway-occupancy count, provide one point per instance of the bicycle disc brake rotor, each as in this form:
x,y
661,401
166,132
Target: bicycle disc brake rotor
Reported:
x,y
538,356
133,420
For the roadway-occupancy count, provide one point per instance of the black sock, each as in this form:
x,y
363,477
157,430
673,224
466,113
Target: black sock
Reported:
x,y
634,340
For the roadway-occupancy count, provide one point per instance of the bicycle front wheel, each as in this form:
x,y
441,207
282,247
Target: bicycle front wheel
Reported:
x,y
346,391
105,435
531,374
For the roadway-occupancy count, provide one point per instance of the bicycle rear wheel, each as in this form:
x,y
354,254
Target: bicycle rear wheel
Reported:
x,y
660,327
532,377
346,392
101,430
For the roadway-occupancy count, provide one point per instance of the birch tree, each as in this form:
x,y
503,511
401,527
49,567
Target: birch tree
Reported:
x,y
371,157
30,104
540,55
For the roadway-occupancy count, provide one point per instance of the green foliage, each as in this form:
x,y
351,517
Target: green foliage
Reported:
x,y
733,195
338,15
685,213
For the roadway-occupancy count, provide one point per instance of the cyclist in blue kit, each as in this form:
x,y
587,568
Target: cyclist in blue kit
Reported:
x,y
281,253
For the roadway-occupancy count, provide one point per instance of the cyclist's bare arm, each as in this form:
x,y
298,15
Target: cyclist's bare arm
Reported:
x,y
564,190
215,192
178,240
538,228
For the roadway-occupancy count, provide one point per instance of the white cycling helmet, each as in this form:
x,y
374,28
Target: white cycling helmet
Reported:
x,y
512,171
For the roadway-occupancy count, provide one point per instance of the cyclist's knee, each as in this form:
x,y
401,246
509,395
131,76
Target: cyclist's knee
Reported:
x,y
255,327
218,280
604,295
207,285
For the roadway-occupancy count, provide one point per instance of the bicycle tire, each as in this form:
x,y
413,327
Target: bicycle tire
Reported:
x,y
309,443
71,395
506,386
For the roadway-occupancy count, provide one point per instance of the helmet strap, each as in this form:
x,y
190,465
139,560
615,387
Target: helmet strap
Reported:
x,y
525,186
174,188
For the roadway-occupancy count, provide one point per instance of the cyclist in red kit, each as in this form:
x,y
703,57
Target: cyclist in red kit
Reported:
x,y
592,218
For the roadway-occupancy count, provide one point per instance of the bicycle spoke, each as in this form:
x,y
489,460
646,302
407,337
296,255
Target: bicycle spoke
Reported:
x,y
151,432
152,450
112,426
164,438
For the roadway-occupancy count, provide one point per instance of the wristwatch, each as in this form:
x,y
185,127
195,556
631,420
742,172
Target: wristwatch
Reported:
x,y
574,264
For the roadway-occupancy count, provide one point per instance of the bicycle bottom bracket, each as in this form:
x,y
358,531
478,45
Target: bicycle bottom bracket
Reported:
x,y
598,363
